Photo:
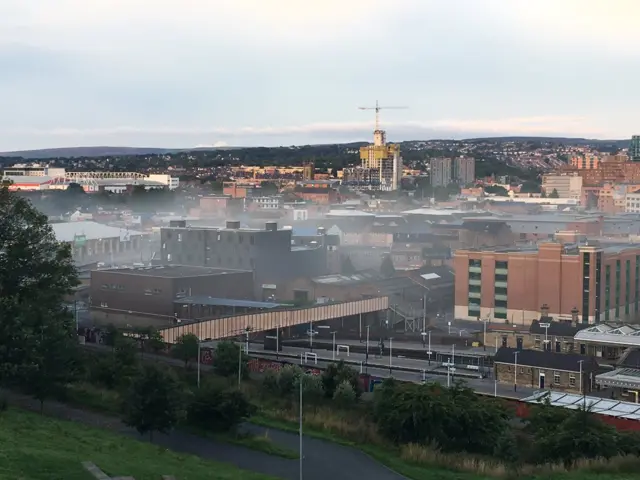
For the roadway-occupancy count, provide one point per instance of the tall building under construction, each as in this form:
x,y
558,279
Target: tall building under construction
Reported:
x,y
383,160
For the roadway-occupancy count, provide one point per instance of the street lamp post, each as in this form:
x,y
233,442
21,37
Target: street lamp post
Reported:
x,y
390,352
277,342
515,371
366,357
429,351
333,348
582,389
239,365
300,429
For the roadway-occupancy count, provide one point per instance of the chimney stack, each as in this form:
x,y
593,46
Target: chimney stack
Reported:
x,y
544,311
574,316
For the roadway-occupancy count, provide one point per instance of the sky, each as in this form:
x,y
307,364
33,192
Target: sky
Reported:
x,y
186,73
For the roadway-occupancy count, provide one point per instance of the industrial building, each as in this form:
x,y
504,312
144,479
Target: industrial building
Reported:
x,y
269,253
166,294
601,281
35,178
96,242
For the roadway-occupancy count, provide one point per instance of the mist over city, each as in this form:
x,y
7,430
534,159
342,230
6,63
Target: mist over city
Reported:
x,y
388,240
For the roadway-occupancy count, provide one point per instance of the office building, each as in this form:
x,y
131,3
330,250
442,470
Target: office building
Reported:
x,y
441,172
568,185
587,161
634,149
511,284
464,170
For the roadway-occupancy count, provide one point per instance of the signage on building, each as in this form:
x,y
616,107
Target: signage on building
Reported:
x,y
269,286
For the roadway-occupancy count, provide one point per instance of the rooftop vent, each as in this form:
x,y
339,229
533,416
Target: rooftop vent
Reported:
x,y
271,226
233,224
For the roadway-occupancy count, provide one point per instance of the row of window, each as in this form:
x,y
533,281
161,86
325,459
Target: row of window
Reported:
x,y
189,259
120,288
200,236
500,289
556,375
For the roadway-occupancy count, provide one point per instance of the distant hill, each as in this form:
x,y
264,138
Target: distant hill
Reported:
x,y
565,140
74,152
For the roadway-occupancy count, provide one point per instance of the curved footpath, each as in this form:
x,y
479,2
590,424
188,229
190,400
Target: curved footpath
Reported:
x,y
322,460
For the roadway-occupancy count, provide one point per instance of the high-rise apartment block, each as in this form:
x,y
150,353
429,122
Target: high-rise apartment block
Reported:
x,y
464,170
382,162
440,172
634,149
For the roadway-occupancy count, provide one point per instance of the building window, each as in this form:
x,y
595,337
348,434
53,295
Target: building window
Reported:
x,y
556,378
179,237
105,286
572,380
168,257
148,291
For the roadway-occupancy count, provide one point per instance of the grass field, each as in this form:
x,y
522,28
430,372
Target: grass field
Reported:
x,y
35,447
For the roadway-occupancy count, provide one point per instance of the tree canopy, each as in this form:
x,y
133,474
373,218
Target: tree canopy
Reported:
x,y
36,273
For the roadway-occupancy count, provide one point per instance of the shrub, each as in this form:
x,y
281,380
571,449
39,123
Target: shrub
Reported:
x,y
218,410
344,395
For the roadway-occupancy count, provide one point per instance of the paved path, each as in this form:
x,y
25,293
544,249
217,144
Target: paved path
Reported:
x,y
321,460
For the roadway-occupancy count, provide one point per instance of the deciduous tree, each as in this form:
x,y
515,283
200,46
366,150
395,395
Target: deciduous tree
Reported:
x,y
153,402
186,348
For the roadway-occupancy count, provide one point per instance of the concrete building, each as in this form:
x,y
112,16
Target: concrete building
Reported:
x,y
567,185
441,172
268,252
464,170
632,202
165,294
601,281
383,161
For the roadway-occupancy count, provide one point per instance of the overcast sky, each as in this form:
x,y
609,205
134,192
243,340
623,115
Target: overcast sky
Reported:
x,y
184,73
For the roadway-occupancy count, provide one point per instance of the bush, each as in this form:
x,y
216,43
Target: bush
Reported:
x,y
344,395
287,379
218,410
226,359
270,382
335,374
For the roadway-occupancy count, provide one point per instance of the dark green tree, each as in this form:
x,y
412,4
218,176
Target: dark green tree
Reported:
x,y
155,342
186,348
337,373
217,409
386,268
497,190
227,358
36,273
153,402
554,194
530,187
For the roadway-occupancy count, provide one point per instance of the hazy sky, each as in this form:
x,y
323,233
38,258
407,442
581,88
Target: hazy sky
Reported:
x,y
181,73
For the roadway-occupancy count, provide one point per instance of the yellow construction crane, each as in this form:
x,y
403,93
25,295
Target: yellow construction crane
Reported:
x,y
377,108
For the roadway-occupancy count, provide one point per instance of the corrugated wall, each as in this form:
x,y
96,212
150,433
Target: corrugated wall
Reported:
x,y
231,326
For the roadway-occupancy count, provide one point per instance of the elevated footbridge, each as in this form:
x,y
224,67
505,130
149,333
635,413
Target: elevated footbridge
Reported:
x,y
234,325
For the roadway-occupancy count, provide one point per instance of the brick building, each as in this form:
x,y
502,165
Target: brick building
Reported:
x,y
157,291
541,369
601,281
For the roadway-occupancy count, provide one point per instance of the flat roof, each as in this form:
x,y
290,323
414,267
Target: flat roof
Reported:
x,y
434,211
173,271
68,231
625,335
225,302
620,377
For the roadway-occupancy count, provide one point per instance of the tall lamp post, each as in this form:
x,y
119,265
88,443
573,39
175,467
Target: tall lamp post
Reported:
x,y
515,371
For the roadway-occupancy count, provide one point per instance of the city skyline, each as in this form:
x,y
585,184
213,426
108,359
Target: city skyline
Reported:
x,y
216,73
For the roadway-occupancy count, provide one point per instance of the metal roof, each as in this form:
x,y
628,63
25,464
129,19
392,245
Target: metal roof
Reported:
x,y
68,231
612,408
620,377
610,334
225,302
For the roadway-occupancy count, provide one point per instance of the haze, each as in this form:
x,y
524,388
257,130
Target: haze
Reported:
x,y
279,72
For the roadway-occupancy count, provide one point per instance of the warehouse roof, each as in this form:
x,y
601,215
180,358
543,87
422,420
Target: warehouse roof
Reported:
x,y
172,271
69,231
